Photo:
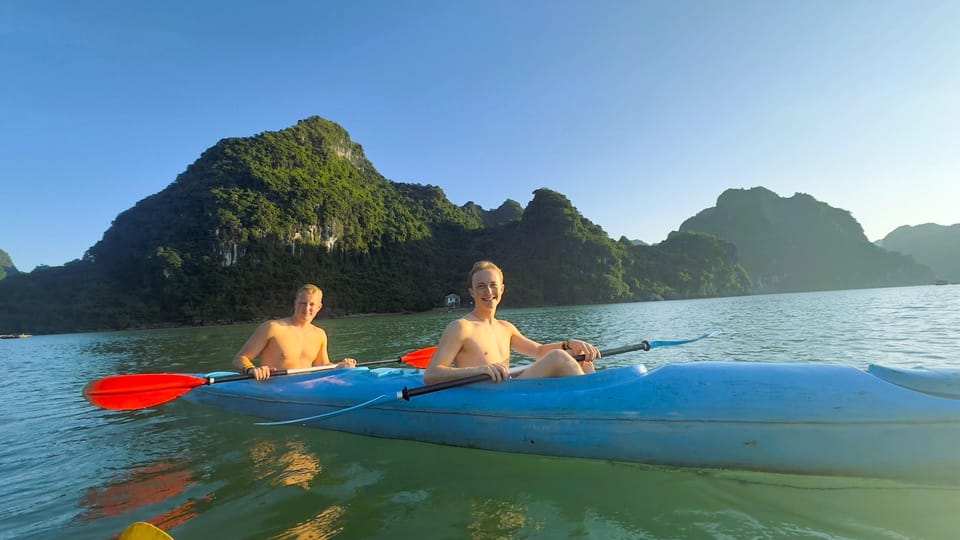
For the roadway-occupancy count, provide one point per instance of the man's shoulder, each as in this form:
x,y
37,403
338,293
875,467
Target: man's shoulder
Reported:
x,y
458,324
506,325
274,326
274,323
461,326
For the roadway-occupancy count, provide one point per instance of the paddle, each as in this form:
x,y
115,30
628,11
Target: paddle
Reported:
x,y
408,393
140,391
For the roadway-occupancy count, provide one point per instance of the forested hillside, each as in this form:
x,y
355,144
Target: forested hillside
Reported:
x,y
253,218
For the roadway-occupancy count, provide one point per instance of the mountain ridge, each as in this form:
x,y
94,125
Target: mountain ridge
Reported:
x,y
802,244
233,236
937,246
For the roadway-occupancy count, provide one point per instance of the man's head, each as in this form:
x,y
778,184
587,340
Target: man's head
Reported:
x,y
485,284
480,266
309,302
310,288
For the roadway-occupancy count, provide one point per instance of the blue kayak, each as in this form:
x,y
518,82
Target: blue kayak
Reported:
x,y
804,418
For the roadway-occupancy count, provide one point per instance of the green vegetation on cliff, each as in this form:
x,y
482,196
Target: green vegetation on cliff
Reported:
x,y
253,218
6,265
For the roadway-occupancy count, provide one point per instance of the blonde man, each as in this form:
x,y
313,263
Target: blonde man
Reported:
x,y
481,343
291,342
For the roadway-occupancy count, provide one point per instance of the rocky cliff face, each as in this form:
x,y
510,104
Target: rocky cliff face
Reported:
x,y
7,267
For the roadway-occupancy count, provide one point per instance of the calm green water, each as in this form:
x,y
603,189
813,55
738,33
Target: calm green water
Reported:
x,y
70,470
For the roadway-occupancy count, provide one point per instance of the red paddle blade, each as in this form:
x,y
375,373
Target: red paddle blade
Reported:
x,y
132,392
419,359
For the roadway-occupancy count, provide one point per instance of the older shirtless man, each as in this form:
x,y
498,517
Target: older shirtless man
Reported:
x,y
291,342
481,343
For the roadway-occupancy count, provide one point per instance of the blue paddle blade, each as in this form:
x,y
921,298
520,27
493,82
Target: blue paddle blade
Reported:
x,y
655,344
220,374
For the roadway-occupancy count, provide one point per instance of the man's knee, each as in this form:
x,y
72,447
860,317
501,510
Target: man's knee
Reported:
x,y
562,364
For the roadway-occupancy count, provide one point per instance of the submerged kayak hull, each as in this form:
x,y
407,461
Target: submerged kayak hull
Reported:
x,y
781,417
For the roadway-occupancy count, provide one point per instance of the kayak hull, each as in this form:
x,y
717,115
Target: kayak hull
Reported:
x,y
782,417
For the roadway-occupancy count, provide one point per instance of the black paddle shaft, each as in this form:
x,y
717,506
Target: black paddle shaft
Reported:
x,y
642,346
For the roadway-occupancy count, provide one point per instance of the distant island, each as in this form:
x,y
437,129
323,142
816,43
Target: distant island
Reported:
x,y
937,246
801,244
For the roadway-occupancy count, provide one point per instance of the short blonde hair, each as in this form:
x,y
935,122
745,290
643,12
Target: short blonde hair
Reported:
x,y
480,266
310,288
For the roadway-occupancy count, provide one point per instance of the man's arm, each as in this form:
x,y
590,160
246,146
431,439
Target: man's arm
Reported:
x,y
322,358
574,347
255,345
441,365
528,347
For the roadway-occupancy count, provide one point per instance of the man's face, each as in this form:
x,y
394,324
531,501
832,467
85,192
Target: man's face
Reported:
x,y
308,305
487,288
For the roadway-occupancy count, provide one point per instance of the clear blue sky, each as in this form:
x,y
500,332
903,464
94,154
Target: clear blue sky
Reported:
x,y
641,112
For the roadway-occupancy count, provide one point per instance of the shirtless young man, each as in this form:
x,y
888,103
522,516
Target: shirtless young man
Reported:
x,y
289,343
481,343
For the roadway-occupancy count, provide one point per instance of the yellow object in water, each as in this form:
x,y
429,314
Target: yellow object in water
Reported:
x,y
142,530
